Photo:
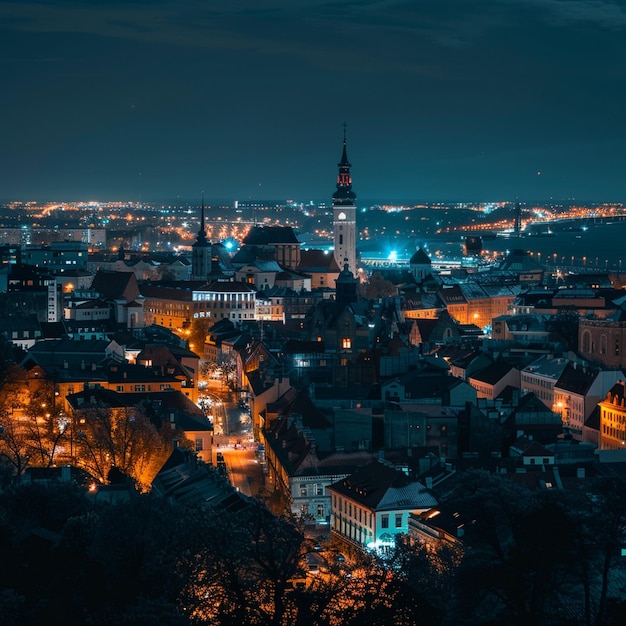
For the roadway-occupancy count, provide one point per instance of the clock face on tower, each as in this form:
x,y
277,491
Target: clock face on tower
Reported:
x,y
341,216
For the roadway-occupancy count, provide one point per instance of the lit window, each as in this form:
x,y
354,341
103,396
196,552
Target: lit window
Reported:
x,y
346,343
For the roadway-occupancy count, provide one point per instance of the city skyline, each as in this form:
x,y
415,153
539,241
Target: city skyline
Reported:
x,y
451,101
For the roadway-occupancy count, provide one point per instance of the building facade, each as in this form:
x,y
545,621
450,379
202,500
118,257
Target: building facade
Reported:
x,y
344,215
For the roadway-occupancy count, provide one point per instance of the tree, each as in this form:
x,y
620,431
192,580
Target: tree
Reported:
x,y
227,362
198,330
16,448
124,438
47,426
242,573
518,562
378,287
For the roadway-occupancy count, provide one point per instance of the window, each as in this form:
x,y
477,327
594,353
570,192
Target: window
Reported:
x,y
199,444
319,490
346,343
320,510
398,520
384,521
303,490
340,240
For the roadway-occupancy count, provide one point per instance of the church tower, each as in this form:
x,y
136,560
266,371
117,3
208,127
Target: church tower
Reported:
x,y
201,252
344,214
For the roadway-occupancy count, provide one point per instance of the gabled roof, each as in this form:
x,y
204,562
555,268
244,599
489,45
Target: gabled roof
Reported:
x,y
452,295
380,487
113,285
420,258
493,373
262,265
318,261
576,380
529,447
269,235
185,480
617,394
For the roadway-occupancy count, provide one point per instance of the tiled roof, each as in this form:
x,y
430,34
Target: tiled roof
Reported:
x,y
112,284
576,380
268,235
493,373
317,261
378,486
420,258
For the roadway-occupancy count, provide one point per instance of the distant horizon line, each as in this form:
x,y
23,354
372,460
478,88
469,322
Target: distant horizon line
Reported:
x,y
284,201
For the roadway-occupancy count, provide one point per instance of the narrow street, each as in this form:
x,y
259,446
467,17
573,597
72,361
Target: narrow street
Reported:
x,y
236,445
244,471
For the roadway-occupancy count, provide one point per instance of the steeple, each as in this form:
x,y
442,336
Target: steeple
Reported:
x,y
201,251
344,194
344,213
202,231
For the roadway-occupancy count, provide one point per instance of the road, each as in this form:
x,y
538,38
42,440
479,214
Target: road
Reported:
x,y
244,471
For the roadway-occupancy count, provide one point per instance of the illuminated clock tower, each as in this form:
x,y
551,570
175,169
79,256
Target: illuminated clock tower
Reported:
x,y
344,214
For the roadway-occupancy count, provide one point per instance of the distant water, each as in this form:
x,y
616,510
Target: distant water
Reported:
x,y
601,246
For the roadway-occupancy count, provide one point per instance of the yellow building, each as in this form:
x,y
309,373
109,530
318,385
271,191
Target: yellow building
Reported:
x,y
613,418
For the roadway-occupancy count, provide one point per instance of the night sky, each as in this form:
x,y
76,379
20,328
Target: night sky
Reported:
x,y
452,100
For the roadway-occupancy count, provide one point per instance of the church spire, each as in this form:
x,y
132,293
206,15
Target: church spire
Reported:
x,y
202,231
344,193
201,251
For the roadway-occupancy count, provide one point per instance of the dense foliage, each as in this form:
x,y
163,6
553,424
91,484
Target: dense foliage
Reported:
x,y
529,558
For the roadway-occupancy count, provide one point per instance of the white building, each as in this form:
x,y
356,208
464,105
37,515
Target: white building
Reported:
x,y
541,375
372,506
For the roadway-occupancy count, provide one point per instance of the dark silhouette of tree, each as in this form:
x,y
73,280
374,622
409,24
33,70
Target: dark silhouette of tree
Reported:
x,y
16,449
517,563
378,287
